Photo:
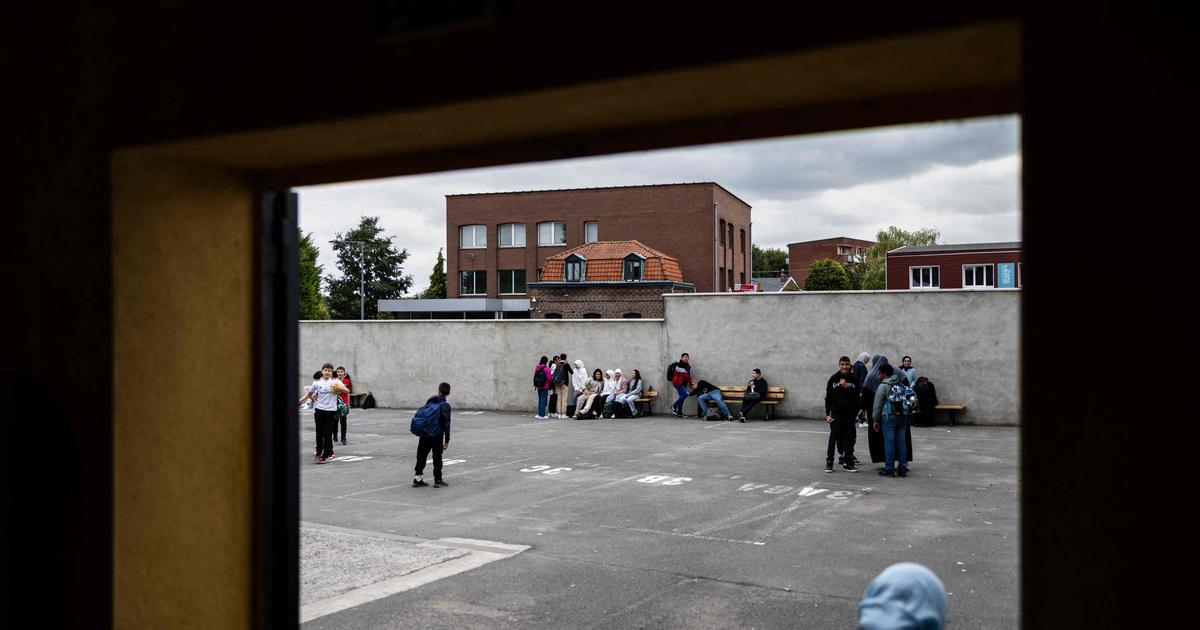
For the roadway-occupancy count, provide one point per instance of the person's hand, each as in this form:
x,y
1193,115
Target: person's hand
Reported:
x,y
446,445
877,427
828,419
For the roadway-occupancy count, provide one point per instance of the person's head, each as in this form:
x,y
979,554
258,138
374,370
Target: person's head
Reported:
x,y
685,358
756,374
542,361
444,389
617,372
597,374
327,370
863,357
906,362
579,363
904,595
844,365
563,356
886,370
341,372
635,375
608,373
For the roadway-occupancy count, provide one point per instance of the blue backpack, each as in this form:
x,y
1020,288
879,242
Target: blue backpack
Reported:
x,y
426,423
902,400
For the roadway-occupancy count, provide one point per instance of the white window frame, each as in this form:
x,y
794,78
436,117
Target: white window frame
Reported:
x,y
512,272
594,225
475,230
1020,277
511,230
478,273
972,266
923,288
542,243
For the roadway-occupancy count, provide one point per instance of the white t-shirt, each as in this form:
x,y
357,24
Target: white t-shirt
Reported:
x,y
326,399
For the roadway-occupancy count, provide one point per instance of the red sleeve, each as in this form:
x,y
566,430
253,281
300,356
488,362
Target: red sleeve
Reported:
x,y
346,397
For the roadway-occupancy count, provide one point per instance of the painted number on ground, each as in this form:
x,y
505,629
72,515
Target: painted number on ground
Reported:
x,y
807,491
545,470
664,480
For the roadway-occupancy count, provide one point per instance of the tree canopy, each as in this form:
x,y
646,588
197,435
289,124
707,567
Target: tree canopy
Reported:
x,y
826,275
312,303
382,264
437,279
871,274
768,261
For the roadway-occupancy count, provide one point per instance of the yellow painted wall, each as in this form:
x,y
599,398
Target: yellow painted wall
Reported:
x,y
183,251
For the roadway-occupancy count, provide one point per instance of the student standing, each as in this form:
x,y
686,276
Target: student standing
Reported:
x,y
435,443
841,404
860,377
756,390
344,377
681,375
562,385
542,378
892,425
324,392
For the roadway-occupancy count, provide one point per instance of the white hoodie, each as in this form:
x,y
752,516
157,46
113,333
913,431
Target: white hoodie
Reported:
x,y
581,376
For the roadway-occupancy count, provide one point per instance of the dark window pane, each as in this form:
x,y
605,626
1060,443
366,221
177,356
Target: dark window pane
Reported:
x,y
591,315
632,316
934,274
519,281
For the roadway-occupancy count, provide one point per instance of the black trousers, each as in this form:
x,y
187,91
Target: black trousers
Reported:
x,y
424,446
841,434
326,422
747,405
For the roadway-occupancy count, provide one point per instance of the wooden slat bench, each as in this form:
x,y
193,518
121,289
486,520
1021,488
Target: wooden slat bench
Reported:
x,y
357,398
952,409
733,394
647,399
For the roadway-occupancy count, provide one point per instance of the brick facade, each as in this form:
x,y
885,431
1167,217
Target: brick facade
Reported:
x,y
608,300
950,265
676,219
802,255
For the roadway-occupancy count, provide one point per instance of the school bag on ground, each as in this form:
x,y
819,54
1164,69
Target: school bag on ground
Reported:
x,y
713,415
539,377
426,422
902,399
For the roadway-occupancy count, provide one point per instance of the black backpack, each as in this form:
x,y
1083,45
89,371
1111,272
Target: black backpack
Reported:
x,y
713,415
671,371
539,377
560,374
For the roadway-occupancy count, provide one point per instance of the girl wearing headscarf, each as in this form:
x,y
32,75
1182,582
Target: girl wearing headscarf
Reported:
x,y
610,388
579,379
860,377
907,371
905,596
874,436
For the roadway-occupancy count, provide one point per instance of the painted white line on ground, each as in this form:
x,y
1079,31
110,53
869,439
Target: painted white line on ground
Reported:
x,y
682,535
479,553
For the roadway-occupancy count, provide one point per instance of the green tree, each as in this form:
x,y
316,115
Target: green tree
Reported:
x,y
437,279
826,275
768,261
382,266
873,273
312,303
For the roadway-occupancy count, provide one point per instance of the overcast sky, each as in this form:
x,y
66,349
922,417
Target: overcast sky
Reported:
x,y
961,178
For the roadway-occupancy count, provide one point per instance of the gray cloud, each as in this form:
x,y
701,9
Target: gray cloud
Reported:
x,y
961,177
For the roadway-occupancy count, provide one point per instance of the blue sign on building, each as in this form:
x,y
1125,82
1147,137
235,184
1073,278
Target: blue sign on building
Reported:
x,y
1006,275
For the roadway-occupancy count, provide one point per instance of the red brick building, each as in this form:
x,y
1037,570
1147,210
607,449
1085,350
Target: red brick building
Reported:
x,y
498,242
965,266
842,249
606,279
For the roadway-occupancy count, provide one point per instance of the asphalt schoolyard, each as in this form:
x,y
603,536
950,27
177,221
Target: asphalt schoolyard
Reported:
x,y
649,522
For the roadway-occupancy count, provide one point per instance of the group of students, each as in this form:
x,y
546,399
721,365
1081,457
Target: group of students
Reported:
x,y
564,386
330,395
680,373
883,398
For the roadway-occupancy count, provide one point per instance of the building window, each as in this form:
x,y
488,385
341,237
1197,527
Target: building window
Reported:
x,y
632,316
472,283
472,236
843,250
574,268
634,268
512,281
978,276
742,235
591,231
512,234
552,233
721,231
720,279
591,316
552,316
924,277
730,285
730,236
741,277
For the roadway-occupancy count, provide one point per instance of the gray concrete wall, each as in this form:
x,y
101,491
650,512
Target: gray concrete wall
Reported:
x,y
966,341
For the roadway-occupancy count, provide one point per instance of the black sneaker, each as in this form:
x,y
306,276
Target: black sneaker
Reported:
x,y
849,467
438,483
886,473
419,484
901,473
828,467
741,417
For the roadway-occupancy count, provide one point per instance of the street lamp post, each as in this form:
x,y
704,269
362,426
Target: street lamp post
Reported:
x,y
362,281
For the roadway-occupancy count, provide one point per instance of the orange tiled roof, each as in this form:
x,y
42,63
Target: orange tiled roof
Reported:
x,y
606,259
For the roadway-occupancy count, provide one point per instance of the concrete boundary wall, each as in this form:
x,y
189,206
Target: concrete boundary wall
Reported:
x,y
967,342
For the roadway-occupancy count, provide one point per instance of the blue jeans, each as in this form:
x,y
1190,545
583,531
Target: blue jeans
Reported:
x,y
683,395
894,449
715,396
543,397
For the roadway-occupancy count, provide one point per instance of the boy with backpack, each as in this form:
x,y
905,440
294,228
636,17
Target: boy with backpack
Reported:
x,y
679,374
431,425
895,401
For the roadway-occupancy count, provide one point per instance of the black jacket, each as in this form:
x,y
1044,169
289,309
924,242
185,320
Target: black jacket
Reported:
x,y
443,416
759,385
703,387
860,372
839,398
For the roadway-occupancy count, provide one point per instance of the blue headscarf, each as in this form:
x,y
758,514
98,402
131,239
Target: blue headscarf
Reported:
x,y
905,595
873,376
